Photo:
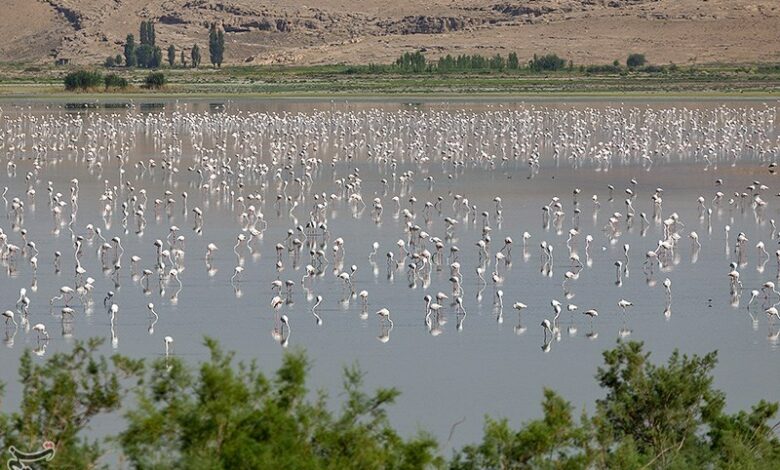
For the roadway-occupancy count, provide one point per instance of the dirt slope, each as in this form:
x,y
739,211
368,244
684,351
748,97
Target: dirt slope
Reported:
x,y
350,31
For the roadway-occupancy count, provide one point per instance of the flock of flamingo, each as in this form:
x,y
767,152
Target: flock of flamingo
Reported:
x,y
281,178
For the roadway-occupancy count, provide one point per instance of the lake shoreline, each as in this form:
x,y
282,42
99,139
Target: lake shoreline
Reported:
x,y
324,82
391,97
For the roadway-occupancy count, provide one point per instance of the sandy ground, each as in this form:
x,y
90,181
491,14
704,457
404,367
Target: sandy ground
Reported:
x,y
348,31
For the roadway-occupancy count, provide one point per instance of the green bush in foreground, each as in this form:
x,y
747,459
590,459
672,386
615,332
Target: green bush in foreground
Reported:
x,y
228,415
651,417
231,416
61,396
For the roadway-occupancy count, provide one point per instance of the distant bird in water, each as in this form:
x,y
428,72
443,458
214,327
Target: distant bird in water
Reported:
x,y
168,340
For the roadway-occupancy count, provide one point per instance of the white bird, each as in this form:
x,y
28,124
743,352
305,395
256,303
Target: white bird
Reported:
x,y
317,318
9,316
40,329
591,314
624,304
772,312
547,327
168,345
384,315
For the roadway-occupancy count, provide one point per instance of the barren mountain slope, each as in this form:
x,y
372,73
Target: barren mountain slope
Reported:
x,y
349,31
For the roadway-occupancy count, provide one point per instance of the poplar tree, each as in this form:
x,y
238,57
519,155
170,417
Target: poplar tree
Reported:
x,y
130,51
216,45
195,56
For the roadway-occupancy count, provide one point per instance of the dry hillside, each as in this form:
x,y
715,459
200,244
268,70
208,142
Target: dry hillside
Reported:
x,y
349,31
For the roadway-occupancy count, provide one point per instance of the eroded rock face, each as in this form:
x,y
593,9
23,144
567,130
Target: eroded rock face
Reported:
x,y
172,19
260,25
72,15
229,28
428,24
283,25
625,3
537,8
519,10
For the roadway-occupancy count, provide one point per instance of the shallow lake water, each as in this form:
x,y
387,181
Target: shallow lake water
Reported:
x,y
452,369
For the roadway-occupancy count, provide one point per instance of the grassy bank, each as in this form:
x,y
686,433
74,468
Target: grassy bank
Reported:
x,y
17,80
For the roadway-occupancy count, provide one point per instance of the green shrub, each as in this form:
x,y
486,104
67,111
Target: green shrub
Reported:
x,y
378,68
635,60
113,80
549,62
768,68
155,80
597,69
651,416
224,415
61,397
83,80
653,69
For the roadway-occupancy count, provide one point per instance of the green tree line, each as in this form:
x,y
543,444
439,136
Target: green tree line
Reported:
x,y
225,414
89,80
149,55
416,62
86,80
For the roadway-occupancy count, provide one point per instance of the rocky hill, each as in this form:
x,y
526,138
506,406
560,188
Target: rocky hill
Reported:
x,y
366,31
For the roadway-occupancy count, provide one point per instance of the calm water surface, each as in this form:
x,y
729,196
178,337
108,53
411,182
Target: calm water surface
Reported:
x,y
492,367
